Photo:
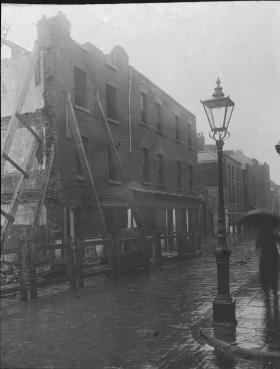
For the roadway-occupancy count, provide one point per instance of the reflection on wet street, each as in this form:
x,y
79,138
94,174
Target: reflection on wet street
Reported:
x,y
140,321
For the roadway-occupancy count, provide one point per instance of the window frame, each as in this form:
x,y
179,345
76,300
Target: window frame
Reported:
x,y
160,170
190,140
111,102
179,173
81,98
177,128
79,167
146,165
191,177
159,116
144,107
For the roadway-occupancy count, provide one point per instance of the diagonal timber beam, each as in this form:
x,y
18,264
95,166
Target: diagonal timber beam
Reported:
x,y
14,164
19,105
27,126
85,166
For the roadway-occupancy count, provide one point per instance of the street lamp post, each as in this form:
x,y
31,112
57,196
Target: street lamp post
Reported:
x,y
277,147
218,110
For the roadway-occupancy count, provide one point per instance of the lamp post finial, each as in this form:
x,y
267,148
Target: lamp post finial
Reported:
x,y
218,91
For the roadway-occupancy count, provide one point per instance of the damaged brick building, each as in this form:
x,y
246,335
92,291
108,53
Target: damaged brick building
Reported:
x,y
155,137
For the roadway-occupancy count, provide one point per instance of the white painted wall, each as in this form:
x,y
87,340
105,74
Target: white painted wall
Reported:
x,y
13,73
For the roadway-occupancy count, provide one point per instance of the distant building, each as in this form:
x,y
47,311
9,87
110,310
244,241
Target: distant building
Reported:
x,y
256,181
275,197
208,179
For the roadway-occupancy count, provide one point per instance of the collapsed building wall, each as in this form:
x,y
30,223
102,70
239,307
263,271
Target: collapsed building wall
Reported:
x,y
13,72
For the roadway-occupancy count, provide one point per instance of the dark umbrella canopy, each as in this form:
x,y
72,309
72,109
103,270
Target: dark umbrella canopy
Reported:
x,y
259,217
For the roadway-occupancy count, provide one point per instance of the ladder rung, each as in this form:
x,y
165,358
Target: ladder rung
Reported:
x,y
8,216
5,156
26,125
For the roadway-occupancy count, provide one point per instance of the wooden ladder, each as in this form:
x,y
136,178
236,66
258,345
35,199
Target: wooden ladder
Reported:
x,y
134,207
90,177
29,160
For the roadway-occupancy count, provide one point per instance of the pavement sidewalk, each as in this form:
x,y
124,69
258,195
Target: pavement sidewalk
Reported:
x,y
257,334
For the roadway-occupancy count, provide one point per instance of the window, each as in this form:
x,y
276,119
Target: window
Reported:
x,y
160,170
145,167
177,125
159,117
191,177
79,164
179,174
112,172
189,135
144,108
38,71
111,102
80,85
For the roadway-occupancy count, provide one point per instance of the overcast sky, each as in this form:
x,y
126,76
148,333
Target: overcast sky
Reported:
x,y
183,48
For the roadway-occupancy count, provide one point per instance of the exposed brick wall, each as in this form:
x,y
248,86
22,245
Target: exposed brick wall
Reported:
x,y
69,54
66,188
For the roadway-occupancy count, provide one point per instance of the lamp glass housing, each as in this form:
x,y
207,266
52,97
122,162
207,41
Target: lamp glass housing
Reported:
x,y
218,112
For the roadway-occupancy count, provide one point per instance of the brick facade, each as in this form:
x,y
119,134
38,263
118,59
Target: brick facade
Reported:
x,y
83,70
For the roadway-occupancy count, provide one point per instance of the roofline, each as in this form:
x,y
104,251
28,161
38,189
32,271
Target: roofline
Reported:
x,y
164,92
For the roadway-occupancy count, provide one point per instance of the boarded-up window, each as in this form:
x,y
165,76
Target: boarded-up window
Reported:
x,y
111,102
160,170
145,167
144,108
80,85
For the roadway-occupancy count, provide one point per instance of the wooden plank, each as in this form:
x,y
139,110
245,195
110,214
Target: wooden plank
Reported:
x,y
14,164
32,271
22,267
28,127
85,166
70,267
19,105
18,192
80,280
8,216
125,182
44,186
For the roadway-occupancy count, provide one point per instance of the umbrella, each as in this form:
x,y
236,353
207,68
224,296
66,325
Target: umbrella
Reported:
x,y
259,217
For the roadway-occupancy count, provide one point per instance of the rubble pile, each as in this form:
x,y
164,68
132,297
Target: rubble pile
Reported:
x,y
9,273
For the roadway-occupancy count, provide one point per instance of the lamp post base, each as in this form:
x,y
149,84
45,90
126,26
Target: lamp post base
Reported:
x,y
224,312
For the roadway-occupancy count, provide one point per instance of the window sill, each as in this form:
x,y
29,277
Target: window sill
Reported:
x,y
111,66
180,189
78,107
145,183
113,121
114,182
145,125
80,177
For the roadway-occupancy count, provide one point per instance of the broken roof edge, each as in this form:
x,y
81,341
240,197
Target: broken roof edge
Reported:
x,y
16,49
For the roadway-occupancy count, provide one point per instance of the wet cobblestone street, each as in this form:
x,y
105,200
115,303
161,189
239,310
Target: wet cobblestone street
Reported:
x,y
140,321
